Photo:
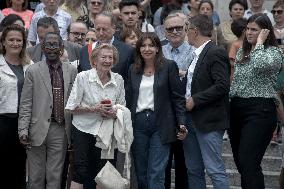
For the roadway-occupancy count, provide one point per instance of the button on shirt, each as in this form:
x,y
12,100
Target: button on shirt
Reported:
x,y
63,19
191,69
88,91
183,55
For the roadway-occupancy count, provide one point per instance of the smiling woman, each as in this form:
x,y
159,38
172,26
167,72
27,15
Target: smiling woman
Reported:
x,y
91,101
13,64
157,104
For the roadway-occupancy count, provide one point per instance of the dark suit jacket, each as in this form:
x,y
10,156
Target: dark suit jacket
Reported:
x,y
169,101
210,89
73,50
126,58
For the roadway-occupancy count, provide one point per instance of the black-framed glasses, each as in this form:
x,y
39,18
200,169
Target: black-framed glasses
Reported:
x,y
96,3
90,39
78,34
174,28
277,11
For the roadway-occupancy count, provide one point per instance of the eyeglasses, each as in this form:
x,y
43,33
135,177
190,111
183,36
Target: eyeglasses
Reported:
x,y
78,34
51,46
90,39
277,11
174,28
96,3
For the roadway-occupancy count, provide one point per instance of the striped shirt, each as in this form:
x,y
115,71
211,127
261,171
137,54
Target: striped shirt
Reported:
x,y
63,19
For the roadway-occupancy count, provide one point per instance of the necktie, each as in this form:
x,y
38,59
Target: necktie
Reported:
x,y
58,96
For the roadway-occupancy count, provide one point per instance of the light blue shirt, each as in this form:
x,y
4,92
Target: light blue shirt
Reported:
x,y
183,55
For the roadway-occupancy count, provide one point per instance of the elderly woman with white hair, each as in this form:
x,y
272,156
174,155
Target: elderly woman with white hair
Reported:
x,y
91,101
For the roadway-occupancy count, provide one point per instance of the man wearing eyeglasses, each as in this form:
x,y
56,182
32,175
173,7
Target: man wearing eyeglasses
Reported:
x,y
45,25
178,50
77,32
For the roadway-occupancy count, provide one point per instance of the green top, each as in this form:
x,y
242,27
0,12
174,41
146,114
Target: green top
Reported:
x,y
258,75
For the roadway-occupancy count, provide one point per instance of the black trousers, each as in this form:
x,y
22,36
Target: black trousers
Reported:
x,y
253,121
181,181
13,154
87,159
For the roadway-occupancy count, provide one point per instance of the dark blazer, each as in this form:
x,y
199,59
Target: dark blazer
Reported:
x,y
126,58
169,100
210,89
73,50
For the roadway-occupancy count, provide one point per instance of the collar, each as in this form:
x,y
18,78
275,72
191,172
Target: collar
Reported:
x,y
250,12
93,77
181,48
56,14
199,49
2,60
51,65
94,45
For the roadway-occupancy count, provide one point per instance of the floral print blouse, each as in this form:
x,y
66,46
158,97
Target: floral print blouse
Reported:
x,y
258,75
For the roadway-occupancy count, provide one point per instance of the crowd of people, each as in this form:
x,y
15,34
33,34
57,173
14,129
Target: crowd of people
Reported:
x,y
88,82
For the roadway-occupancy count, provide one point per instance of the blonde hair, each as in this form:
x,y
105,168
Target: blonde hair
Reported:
x,y
96,52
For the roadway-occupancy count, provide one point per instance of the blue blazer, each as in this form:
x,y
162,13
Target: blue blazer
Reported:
x,y
169,100
126,58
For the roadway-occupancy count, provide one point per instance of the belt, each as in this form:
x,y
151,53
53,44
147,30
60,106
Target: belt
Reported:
x,y
52,119
146,111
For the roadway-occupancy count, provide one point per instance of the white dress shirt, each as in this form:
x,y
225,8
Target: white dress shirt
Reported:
x,y
191,68
88,91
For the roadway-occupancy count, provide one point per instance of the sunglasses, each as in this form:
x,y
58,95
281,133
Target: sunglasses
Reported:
x,y
277,11
96,3
174,28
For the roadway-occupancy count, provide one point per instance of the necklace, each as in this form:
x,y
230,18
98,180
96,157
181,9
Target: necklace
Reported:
x,y
148,73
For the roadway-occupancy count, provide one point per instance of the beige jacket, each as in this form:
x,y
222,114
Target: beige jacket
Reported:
x,y
37,101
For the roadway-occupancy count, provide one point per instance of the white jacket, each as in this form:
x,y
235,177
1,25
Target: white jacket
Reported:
x,y
116,134
8,88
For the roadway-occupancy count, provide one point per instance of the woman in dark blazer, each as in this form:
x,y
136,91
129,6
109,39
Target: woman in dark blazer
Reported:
x,y
156,100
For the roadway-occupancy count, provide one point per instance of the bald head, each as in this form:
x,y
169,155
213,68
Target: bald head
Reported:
x,y
77,32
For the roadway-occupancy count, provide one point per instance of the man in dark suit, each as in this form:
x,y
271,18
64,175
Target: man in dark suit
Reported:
x,y
49,24
207,86
105,28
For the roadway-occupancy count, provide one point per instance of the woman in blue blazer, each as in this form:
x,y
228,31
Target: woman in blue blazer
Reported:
x,y
156,100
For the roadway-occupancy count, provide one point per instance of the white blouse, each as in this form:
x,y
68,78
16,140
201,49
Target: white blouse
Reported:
x,y
146,94
88,91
